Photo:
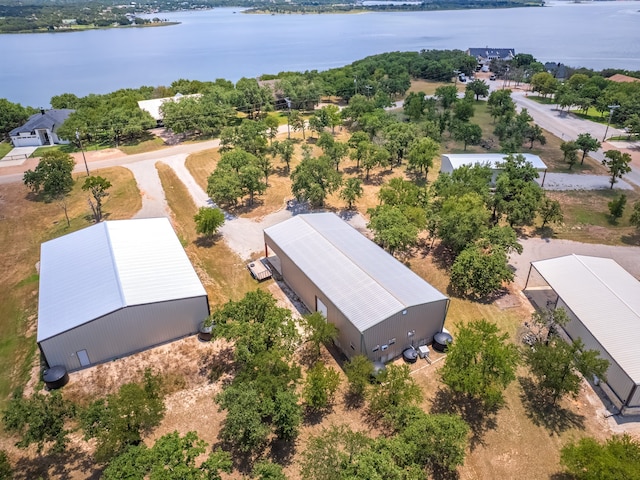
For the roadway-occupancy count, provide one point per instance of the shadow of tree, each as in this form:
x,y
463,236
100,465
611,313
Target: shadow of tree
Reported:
x,y
315,416
561,476
478,417
542,412
64,466
207,241
632,239
214,365
439,473
282,451
352,400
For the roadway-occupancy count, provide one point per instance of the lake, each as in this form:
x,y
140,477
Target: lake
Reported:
x,y
224,43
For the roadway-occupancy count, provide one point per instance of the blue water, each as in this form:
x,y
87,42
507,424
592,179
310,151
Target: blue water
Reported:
x,y
224,43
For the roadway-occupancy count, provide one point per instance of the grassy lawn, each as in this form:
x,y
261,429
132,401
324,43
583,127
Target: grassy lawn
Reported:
x,y
146,145
587,218
429,88
5,148
26,223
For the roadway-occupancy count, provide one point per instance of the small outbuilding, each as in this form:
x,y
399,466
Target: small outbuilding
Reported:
x,y
378,304
453,161
113,289
41,129
602,301
153,106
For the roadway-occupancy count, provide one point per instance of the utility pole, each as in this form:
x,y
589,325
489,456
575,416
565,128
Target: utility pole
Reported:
x,y
82,150
611,109
288,100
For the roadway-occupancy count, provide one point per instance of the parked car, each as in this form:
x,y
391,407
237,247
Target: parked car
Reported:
x,y
485,68
492,77
462,77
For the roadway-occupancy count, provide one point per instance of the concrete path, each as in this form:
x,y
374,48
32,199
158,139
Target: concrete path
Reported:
x,y
17,156
568,181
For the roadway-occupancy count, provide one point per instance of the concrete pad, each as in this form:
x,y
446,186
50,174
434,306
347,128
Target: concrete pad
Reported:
x,y
17,156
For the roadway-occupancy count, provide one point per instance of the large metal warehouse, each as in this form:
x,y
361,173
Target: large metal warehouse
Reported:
x,y
115,288
602,301
453,161
380,306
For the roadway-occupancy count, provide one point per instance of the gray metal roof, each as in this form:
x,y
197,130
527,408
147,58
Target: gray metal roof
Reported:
x,y
362,280
95,271
50,119
487,52
606,299
492,159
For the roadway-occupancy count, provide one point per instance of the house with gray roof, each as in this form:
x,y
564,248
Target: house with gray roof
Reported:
x,y
41,129
486,54
379,305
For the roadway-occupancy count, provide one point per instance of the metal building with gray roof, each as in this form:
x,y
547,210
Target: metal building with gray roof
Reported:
x,y
378,304
115,288
602,301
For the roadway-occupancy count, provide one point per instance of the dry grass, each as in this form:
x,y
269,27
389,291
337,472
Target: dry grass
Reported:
x,y
149,145
222,272
24,224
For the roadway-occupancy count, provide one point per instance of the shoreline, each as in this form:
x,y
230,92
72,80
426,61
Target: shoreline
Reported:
x,y
87,29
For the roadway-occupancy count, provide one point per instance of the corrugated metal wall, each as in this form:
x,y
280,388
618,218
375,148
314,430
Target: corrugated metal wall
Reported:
x,y
388,339
126,331
619,382
425,320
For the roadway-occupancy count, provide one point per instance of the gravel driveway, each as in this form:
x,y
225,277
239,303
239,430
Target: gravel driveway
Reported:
x,y
568,181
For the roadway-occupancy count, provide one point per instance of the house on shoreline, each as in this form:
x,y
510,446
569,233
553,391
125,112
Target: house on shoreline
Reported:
x,y
486,54
41,129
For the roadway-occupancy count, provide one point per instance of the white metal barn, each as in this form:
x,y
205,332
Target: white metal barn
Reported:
x,y
602,301
115,288
379,305
452,161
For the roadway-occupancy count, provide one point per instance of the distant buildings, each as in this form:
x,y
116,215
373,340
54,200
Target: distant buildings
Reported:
x,y
153,106
486,54
41,129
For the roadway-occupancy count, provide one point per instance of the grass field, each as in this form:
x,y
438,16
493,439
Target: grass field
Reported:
x,y
5,148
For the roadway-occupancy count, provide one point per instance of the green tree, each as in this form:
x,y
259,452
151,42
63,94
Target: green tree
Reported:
x,y
516,194
318,330
271,124
463,110
172,457
480,272
351,191
251,183
320,386
481,363
392,228
397,138
267,470
208,221
314,179
98,187
617,458
52,178
635,215
359,371
447,95
617,163
559,366
415,105
327,453
421,154
544,83
286,414
438,441
12,115
479,88
394,389
286,150
40,420
569,152
550,211
6,472
331,113
297,121
533,133
587,143
223,186
468,133
243,426
501,105
616,206
462,220
121,419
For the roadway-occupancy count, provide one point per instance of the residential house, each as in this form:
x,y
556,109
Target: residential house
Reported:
x,y
41,129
